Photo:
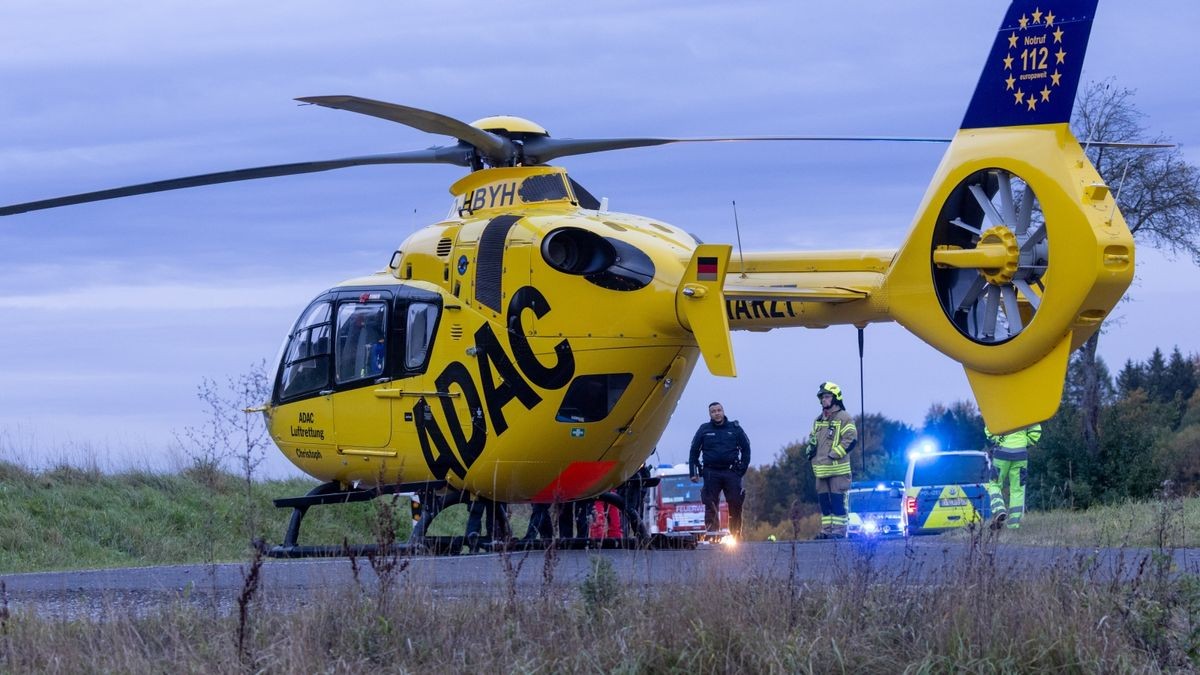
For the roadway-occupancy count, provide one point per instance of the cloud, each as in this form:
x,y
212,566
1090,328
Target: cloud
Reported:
x,y
133,301
170,297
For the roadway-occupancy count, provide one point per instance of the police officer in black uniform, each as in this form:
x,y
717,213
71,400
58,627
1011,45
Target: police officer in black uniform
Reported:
x,y
721,454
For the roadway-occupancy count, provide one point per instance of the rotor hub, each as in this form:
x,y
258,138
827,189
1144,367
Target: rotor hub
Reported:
x,y
1002,243
510,125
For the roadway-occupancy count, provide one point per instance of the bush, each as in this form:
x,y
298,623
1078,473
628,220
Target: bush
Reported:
x,y
1178,459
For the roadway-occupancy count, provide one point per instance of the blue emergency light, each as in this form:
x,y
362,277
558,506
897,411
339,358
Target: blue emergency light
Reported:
x,y
922,448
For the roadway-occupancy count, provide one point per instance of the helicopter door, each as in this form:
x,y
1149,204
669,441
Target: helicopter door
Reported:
x,y
362,409
517,264
418,318
462,261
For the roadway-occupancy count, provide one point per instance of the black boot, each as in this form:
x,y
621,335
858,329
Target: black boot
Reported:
x,y
998,521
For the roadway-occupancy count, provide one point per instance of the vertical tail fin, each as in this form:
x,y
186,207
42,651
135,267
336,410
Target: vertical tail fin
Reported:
x,y
1033,69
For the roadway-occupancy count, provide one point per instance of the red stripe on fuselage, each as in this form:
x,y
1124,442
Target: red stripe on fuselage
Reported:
x,y
574,482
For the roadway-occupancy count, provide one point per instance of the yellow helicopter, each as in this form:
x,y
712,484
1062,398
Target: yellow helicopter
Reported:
x,y
532,345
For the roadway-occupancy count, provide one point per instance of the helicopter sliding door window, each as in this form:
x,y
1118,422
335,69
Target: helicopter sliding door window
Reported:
x,y
361,341
306,361
590,398
422,318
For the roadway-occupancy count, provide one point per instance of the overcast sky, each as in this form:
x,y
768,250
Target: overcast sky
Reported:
x,y
116,310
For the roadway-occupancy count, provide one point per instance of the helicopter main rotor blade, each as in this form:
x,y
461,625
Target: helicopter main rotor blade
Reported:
x,y
541,150
457,154
499,150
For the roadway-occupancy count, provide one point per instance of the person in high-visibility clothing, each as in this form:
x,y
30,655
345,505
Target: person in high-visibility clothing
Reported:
x,y
1010,464
833,437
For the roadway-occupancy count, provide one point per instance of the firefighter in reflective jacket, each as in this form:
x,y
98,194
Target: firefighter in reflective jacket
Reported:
x,y
833,437
1010,464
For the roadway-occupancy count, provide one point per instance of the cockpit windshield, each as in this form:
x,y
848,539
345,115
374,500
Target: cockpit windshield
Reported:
x,y
306,359
349,338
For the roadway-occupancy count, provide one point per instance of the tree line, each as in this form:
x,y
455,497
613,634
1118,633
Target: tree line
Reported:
x,y
1148,432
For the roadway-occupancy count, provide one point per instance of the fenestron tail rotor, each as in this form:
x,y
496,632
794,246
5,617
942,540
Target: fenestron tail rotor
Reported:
x,y
1018,252
990,255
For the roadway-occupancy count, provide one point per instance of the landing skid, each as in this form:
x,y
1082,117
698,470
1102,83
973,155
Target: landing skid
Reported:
x,y
333,493
434,498
453,546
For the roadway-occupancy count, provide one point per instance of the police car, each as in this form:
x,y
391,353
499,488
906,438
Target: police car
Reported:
x,y
873,509
945,490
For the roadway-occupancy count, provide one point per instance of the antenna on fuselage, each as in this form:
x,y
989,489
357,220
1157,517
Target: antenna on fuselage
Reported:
x,y
738,230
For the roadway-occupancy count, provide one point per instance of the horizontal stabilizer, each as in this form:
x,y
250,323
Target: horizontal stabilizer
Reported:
x,y
793,293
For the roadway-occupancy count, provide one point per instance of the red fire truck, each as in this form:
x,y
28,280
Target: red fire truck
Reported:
x,y
674,505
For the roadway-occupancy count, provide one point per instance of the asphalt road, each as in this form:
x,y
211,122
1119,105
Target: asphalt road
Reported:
x,y
93,593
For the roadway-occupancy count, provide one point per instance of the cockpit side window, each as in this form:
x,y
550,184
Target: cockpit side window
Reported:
x,y
361,341
422,319
306,359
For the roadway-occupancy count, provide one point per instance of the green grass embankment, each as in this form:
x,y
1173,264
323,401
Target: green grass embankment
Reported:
x,y
69,518
1170,523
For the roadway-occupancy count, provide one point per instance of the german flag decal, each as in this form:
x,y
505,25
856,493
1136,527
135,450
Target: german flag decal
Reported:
x,y
706,269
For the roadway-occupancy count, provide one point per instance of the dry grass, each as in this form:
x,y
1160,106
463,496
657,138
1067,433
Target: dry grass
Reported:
x,y
865,621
